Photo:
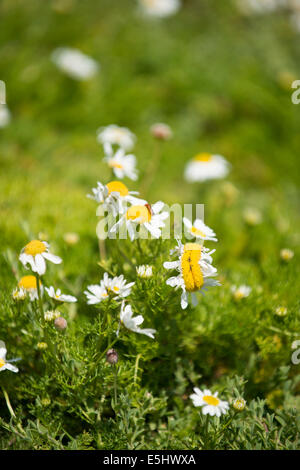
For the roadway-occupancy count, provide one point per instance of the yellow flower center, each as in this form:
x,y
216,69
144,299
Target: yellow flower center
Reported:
x,y
35,247
115,165
203,157
191,271
2,363
214,401
139,212
116,289
27,282
118,187
198,233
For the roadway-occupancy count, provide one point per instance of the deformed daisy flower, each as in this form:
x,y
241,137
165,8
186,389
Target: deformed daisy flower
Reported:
x,y
144,271
143,217
4,364
35,253
211,404
195,271
58,296
4,115
114,196
116,287
240,292
199,230
132,323
74,63
160,8
206,166
115,135
28,285
121,164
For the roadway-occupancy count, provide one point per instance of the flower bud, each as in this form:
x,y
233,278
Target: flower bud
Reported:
x,y
161,131
42,345
60,323
112,356
239,404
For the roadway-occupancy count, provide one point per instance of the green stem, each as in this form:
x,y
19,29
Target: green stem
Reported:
x,y
115,383
40,302
8,404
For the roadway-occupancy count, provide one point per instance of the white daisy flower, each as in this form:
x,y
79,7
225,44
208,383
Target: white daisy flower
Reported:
x,y
132,323
121,164
144,271
114,196
240,292
206,166
195,271
4,115
27,285
211,404
286,254
159,8
4,364
199,230
115,135
116,287
35,253
58,296
144,217
74,63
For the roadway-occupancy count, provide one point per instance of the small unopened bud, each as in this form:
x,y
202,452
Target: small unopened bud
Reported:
x,y
42,345
60,323
239,404
112,356
161,131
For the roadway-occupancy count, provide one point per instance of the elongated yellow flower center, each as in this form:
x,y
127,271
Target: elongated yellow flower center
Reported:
x,y
191,271
2,363
35,247
27,282
118,187
139,212
115,165
198,233
203,157
214,401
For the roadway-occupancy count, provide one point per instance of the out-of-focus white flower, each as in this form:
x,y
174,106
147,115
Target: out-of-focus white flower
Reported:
x,y
19,294
195,271
286,254
199,230
58,296
259,6
114,196
144,271
161,131
159,8
211,404
145,217
295,21
35,253
74,63
116,287
252,216
5,116
241,292
121,164
71,238
51,315
4,364
281,311
116,135
27,286
132,323
206,166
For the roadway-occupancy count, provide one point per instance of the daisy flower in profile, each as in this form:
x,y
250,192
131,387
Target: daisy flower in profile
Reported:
x,y
144,271
143,217
211,404
159,8
240,292
115,135
28,286
4,364
195,271
121,164
74,63
35,253
4,115
58,296
114,196
132,323
206,166
199,230
116,287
